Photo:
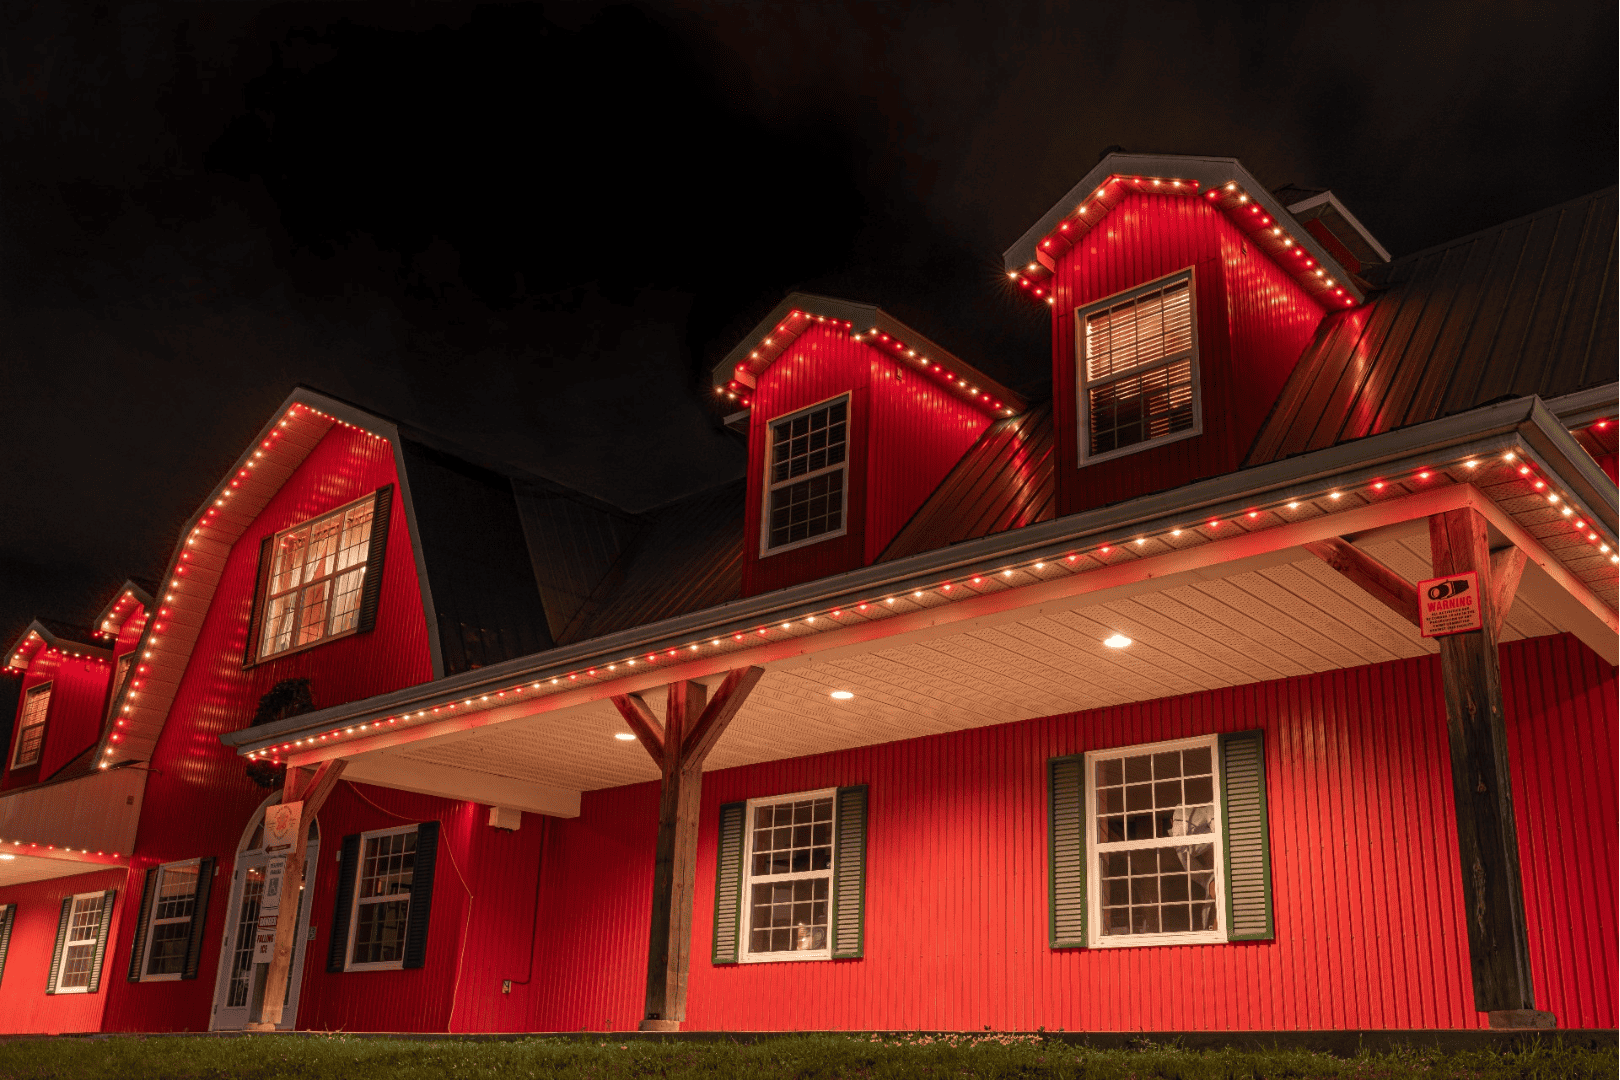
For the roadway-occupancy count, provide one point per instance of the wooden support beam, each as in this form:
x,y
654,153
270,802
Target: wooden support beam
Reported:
x,y
641,720
1382,583
691,729
314,795
1482,786
1507,566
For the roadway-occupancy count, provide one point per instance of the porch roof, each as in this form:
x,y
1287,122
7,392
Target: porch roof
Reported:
x,y
1209,580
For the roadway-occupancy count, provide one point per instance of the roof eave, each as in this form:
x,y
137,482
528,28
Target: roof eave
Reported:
x,y
1209,172
1513,424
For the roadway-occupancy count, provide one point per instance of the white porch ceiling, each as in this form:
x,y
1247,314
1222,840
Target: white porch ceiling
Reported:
x,y
1273,617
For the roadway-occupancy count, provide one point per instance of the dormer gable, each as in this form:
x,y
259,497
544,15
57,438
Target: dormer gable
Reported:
x,y
1182,293
853,418
64,676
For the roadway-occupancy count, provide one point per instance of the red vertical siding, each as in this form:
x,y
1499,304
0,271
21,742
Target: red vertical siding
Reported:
x,y
905,434
198,797
1367,889
1562,733
917,432
78,698
25,1007
1253,321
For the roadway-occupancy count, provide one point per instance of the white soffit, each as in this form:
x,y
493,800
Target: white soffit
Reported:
x,y
1293,616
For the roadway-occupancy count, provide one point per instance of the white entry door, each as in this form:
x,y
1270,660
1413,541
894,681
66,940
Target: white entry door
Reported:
x,y
239,994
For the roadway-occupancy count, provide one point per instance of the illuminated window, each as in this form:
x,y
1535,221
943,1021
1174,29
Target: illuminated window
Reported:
x,y
77,966
1138,369
788,872
173,907
316,573
382,899
806,486
31,726
1155,819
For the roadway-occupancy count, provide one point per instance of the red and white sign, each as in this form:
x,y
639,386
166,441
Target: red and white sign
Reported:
x,y
1449,605
281,825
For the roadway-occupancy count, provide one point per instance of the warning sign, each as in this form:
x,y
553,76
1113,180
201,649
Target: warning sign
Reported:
x,y
1449,605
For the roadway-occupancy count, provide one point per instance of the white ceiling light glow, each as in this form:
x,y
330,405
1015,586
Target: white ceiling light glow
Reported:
x,y
1117,641
841,695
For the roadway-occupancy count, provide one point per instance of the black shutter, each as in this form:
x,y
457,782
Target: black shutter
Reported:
x,y
1066,854
199,918
61,943
101,939
1245,834
371,588
8,913
348,866
416,922
250,652
728,874
136,949
849,874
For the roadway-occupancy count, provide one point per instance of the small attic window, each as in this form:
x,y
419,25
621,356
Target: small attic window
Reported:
x,y
805,488
1138,369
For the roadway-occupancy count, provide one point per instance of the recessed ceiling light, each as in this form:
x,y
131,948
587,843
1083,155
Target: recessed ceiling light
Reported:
x,y
841,695
1118,641
624,736
8,858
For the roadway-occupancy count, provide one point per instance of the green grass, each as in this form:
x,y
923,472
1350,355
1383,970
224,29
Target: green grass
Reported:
x,y
806,1057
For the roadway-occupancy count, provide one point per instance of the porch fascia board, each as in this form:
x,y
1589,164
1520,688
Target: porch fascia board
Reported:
x,y
1523,425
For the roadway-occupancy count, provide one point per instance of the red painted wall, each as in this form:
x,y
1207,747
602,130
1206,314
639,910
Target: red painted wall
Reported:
x,y
1253,321
198,797
1367,889
78,699
905,435
24,1004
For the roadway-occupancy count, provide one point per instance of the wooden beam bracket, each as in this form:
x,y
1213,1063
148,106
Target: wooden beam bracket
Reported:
x,y
1378,580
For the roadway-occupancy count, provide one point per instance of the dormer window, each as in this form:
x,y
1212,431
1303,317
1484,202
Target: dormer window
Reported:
x,y
31,726
1138,369
316,573
806,489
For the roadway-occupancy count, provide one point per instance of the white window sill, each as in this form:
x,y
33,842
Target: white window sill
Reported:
x,y
766,552
1138,447
392,965
174,977
1137,941
786,957
72,990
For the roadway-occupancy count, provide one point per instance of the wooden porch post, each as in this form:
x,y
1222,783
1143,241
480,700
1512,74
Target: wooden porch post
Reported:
x,y
1482,786
313,794
679,746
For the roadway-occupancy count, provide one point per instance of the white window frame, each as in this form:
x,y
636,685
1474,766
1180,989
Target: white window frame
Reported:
x,y
152,921
1096,849
338,572
744,954
1084,386
98,900
355,903
765,548
49,691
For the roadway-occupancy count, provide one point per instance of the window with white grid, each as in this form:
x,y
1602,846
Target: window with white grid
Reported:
x,y
1138,369
382,899
1156,851
31,726
788,883
173,908
79,952
806,488
316,572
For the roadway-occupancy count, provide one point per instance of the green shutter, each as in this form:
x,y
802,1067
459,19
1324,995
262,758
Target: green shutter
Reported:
x,y
8,914
61,943
1066,783
1246,837
101,939
728,873
419,916
142,918
337,947
199,918
849,873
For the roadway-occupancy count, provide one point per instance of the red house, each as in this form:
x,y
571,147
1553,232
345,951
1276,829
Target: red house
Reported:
x,y
1263,677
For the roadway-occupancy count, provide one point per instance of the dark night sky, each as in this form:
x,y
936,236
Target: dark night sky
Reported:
x,y
533,229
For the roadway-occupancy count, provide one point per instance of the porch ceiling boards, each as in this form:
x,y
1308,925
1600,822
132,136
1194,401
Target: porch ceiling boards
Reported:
x,y
1291,617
